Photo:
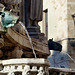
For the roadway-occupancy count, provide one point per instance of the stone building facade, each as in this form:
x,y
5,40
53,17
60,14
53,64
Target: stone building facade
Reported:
x,y
61,28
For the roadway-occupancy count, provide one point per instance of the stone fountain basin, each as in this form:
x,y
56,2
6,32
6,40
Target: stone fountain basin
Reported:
x,y
37,61
24,65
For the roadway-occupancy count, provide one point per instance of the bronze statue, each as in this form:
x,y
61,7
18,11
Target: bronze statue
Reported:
x,y
33,12
8,19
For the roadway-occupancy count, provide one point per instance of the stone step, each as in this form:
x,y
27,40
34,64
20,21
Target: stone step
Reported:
x,y
33,29
37,37
34,33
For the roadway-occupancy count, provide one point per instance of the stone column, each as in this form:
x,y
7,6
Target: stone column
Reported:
x,y
41,71
26,70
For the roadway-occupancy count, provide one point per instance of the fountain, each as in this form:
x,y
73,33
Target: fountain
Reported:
x,y
13,44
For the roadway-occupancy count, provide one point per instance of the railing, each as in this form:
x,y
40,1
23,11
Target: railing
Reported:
x,y
32,66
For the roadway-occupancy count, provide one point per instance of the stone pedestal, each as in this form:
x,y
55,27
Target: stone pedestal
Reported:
x,y
34,31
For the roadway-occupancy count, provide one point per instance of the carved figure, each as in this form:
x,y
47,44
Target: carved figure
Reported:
x,y
33,12
8,19
41,71
26,70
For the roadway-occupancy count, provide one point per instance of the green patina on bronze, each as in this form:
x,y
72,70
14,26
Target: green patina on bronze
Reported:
x,y
8,19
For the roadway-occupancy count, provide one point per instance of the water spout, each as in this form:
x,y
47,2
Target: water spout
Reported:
x,y
28,37
69,56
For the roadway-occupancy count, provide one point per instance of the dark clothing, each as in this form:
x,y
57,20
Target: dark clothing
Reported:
x,y
36,10
33,10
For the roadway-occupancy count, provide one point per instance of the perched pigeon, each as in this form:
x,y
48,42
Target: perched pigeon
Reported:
x,y
54,45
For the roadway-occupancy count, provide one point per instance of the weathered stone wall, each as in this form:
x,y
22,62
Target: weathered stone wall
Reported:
x,y
59,32
61,19
71,31
61,27
70,12
71,51
64,10
57,18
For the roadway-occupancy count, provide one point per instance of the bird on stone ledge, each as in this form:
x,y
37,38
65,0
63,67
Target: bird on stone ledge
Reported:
x,y
54,45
